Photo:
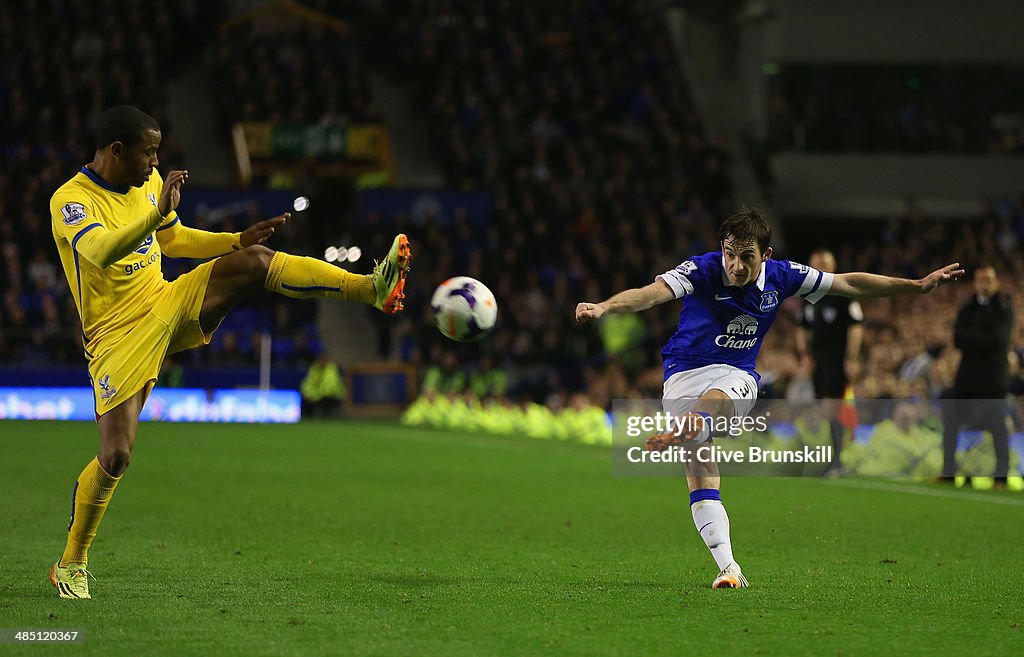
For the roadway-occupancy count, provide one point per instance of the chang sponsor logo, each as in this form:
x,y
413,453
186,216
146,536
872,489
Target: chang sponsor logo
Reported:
x,y
736,332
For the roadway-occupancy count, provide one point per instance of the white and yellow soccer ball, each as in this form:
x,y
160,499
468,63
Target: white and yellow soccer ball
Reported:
x,y
464,309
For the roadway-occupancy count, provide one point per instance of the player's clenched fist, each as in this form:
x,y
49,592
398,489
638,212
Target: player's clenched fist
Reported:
x,y
170,195
588,311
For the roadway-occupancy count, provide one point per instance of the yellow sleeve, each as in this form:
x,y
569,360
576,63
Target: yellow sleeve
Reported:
x,y
180,241
73,220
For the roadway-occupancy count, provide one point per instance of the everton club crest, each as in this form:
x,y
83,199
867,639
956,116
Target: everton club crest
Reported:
x,y
769,300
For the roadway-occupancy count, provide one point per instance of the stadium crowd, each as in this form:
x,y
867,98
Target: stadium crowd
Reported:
x,y
591,156
312,75
926,109
109,54
575,118
603,178
48,99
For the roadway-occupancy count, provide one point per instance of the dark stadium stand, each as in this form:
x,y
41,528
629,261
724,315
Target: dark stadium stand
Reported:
x,y
48,97
47,101
576,124
897,109
581,126
310,76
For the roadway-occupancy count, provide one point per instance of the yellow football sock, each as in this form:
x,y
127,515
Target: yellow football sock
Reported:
x,y
300,277
93,491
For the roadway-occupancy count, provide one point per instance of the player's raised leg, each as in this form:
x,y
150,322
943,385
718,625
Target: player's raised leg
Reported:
x,y
238,275
92,493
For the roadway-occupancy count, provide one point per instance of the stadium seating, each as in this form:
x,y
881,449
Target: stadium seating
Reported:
x,y
48,97
47,102
576,122
907,109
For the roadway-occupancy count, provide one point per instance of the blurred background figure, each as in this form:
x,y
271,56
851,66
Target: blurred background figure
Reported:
x,y
831,335
977,399
900,445
171,375
323,390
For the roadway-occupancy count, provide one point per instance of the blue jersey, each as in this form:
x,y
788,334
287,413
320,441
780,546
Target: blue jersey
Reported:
x,y
725,324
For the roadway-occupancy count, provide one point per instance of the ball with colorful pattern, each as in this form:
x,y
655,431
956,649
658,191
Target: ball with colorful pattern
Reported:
x,y
464,309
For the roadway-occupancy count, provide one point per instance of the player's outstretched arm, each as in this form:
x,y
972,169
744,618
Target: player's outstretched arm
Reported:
x,y
104,247
859,285
629,301
180,241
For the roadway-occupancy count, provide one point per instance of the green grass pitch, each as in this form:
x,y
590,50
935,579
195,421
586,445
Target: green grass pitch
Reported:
x,y
359,538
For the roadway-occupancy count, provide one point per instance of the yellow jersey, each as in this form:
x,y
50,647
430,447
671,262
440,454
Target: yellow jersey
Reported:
x,y
111,299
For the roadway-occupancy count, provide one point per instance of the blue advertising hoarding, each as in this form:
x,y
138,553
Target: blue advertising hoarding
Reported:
x,y
171,405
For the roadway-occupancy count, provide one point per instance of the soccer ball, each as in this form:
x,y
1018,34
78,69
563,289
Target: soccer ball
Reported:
x,y
464,309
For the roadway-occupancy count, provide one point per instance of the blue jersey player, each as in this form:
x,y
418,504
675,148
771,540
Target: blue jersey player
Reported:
x,y
731,299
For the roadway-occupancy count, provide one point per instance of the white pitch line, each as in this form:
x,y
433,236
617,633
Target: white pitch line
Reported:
x,y
927,492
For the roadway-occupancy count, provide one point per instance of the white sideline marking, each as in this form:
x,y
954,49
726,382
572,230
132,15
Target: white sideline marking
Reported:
x,y
967,496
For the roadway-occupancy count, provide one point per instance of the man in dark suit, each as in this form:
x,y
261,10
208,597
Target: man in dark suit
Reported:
x,y
982,334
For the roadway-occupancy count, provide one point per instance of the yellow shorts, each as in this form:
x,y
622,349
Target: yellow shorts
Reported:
x,y
122,366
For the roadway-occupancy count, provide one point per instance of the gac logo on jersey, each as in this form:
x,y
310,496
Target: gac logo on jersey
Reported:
x,y
74,213
742,325
769,300
142,264
108,390
143,248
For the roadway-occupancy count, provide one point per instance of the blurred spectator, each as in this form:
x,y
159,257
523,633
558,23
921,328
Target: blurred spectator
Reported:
x,y
488,379
323,390
899,446
982,334
232,351
171,375
445,378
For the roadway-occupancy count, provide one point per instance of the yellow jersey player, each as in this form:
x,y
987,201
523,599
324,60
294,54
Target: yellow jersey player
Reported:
x,y
112,223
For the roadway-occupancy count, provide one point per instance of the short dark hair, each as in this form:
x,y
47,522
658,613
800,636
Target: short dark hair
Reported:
x,y
745,225
123,123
